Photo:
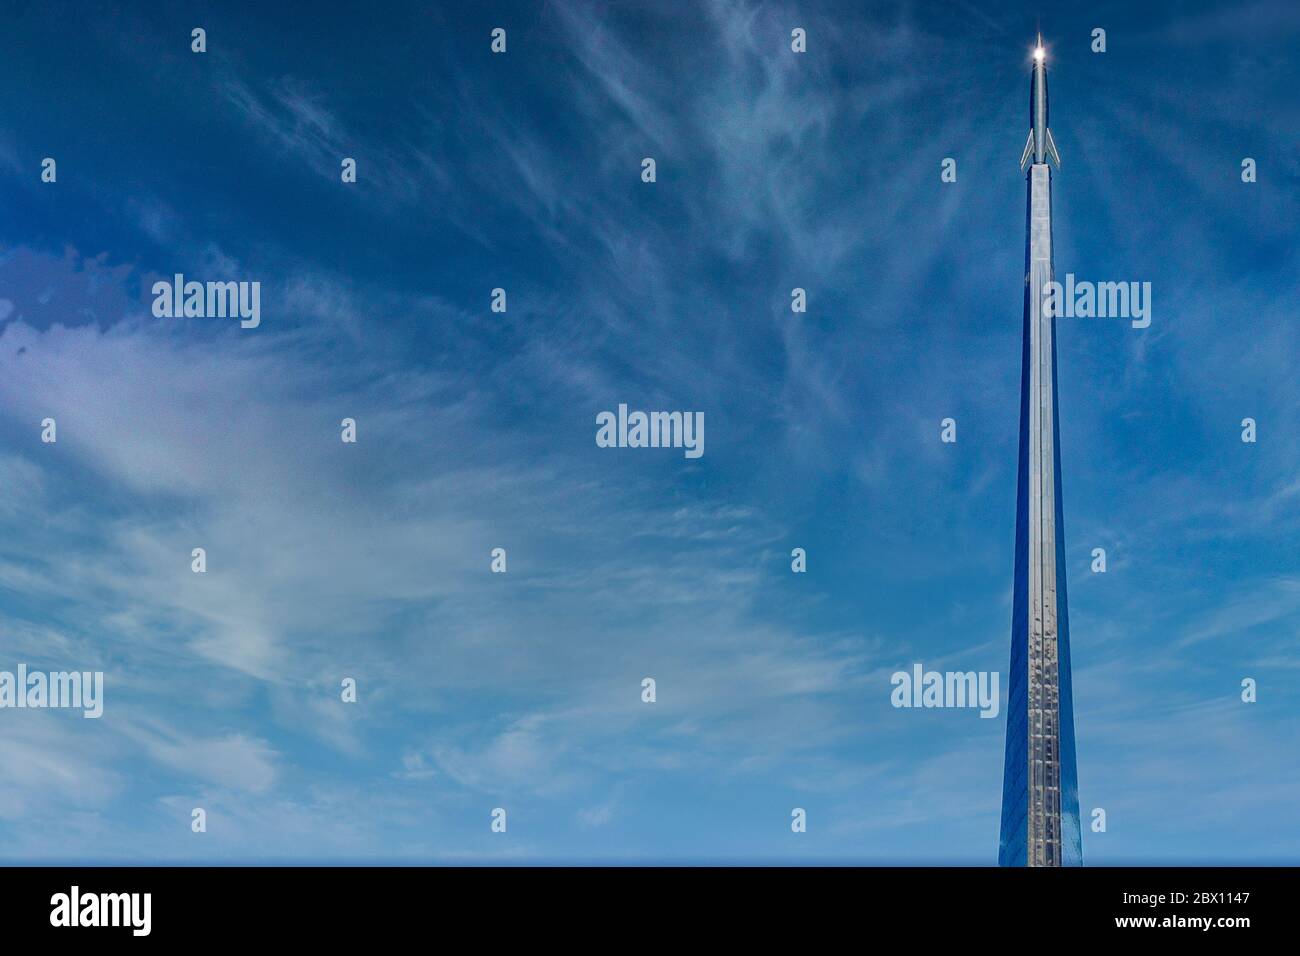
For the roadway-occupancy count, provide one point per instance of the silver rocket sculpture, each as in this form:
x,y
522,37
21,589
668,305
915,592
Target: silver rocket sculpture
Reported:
x,y
1040,803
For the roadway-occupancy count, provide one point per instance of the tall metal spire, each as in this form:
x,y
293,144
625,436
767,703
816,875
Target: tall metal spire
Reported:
x,y
1040,804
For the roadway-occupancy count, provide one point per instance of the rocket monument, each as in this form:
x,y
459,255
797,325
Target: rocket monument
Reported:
x,y
1040,799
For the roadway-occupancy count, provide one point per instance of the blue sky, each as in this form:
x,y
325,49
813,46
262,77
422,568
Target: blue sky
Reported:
x,y
522,171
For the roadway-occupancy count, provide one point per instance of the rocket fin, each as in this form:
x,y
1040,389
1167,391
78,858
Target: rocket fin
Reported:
x,y
1029,151
1050,150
